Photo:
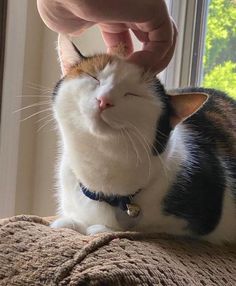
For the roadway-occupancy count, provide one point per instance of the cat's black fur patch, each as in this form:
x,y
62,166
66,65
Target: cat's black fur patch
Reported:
x,y
198,192
56,88
163,127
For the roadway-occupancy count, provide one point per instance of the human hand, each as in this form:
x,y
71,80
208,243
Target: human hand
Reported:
x,y
148,19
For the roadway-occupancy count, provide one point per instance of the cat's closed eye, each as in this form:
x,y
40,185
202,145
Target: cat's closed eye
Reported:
x,y
131,94
92,76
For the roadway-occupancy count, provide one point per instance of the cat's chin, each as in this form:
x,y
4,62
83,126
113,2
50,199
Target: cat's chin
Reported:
x,y
104,126
101,127
112,124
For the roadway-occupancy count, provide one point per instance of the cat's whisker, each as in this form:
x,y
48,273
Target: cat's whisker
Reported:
x,y
38,87
41,91
162,134
138,159
159,157
123,134
164,168
36,113
32,105
156,130
44,118
142,142
132,143
55,128
126,143
134,148
45,124
34,88
156,141
33,96
149,144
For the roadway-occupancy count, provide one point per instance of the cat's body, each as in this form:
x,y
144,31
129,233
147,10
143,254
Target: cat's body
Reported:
x,y
124,136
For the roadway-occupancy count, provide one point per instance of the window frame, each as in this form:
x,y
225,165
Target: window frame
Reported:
x,y
12,87
3,18
186,67
198,45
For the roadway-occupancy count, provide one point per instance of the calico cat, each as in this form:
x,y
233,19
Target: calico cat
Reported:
x,y
138,158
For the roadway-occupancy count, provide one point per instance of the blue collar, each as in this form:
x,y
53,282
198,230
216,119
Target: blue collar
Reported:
x,y
122,202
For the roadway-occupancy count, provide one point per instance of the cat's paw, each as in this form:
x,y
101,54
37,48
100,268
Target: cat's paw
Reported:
x,y
97,228
65,222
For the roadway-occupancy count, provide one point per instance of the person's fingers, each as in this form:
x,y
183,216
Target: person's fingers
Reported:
x,y
156,34
149,58
59,19
149,19
115,35
163,63
155,38
54,12
140,35
122,11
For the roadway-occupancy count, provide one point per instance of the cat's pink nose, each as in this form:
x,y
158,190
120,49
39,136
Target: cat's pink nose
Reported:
x,y
104,103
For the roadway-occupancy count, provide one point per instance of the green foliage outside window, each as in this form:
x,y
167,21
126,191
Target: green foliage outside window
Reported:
x,y
220,50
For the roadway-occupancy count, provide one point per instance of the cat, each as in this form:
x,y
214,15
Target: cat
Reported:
x,y
138,158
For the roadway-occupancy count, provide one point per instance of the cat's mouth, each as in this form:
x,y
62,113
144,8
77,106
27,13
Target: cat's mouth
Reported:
x,y
104,122
112,122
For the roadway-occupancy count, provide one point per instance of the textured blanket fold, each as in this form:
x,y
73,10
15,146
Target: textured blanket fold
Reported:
x,y
31,253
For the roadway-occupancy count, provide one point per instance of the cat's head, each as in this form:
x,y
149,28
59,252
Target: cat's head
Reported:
x,y
105,94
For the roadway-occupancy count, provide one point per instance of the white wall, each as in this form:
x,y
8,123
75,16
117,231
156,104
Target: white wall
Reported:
x,y
26,157
27,139
19,58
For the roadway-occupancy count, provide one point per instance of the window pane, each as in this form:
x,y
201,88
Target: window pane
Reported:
x,y
220,50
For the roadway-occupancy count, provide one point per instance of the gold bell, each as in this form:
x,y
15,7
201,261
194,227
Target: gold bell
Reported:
x,y
133,210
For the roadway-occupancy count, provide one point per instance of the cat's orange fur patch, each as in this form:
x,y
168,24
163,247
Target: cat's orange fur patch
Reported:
x,y
91,65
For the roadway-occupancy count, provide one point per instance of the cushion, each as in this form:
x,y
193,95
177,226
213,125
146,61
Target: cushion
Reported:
x,y
31,253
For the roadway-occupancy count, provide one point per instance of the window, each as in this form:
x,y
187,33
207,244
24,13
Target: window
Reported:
x,y
219,61
205,54
186,66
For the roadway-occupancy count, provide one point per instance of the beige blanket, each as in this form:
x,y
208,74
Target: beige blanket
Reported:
x,y
31,253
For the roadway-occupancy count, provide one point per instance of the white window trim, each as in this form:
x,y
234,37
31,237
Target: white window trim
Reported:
x,y
171,76
185,68
12,88
198,42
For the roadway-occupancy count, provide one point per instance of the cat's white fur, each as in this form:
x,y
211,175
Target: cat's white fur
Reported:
x,y
105,159
110,151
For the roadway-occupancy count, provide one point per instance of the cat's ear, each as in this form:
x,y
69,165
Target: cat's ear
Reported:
x,y
68,53
186,104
